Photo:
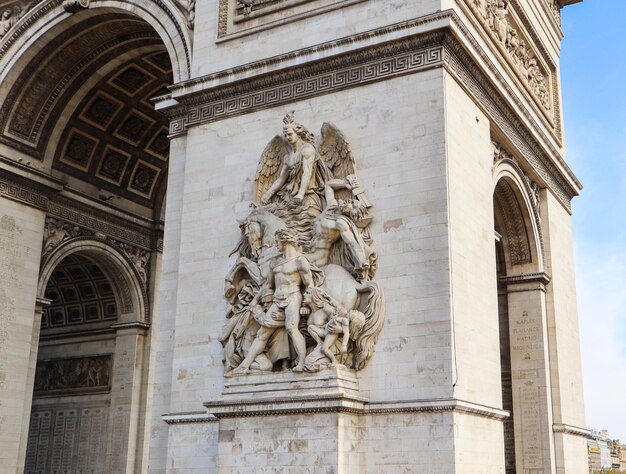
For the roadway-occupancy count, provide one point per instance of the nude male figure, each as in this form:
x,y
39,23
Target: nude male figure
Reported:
x,y
288,275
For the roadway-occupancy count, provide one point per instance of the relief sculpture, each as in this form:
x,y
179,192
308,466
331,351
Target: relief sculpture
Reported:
x,y
496,16
301,295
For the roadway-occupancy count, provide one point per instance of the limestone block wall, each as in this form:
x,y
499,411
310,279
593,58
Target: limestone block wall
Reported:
x,y
473,288
21,235
287,35
397,139
163,321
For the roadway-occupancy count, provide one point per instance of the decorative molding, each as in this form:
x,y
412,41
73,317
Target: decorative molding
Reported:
x,y
322,77
141,326
514,221
86,217
188,418
30,107
344,404
410,54
21,193
572,430
516,233
540,277
559,179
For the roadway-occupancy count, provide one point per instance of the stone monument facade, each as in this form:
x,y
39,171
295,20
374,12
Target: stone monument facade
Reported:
x,y
267,235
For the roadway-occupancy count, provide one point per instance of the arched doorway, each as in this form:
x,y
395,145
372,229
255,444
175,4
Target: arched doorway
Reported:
x,y
77,80
524,352
70,417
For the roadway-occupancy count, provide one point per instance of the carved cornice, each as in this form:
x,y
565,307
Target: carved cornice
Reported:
x,y
572,430
188,418
344,404
210,99
540,277
88,218
559,179
23,184
297,83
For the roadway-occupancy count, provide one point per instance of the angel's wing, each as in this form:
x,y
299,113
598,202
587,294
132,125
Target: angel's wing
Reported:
x,y
269,165
335,151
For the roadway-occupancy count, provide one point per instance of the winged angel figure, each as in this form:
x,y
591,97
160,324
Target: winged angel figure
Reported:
x,y
308,188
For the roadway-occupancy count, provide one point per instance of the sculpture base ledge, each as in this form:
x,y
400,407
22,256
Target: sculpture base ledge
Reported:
x,y
332,382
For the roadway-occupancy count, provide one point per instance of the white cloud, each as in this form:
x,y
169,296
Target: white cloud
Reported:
x,y
601,287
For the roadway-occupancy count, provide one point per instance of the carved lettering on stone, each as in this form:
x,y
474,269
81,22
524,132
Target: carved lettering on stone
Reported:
x,y
75,375
303,283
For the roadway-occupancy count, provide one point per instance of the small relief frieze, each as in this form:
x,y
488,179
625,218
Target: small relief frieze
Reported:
x,y
301,294
75,375
240,15
496,16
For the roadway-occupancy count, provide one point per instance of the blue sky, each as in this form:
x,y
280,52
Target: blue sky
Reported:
x,y
593,75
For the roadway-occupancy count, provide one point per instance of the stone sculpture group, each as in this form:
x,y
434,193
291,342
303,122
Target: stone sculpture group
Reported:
x,y
301,294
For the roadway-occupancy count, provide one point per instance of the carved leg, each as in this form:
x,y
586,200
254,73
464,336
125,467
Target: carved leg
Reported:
x,y
292,319
260,341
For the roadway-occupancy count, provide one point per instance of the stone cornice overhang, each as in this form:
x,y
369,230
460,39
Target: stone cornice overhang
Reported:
x,y
439,40
19,182
22,183
299,405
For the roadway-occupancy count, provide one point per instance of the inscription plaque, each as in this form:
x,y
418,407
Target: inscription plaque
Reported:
x,y
67,440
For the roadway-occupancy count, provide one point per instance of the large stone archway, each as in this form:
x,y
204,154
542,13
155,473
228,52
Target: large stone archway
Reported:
x,y
87,159
90,362
524,345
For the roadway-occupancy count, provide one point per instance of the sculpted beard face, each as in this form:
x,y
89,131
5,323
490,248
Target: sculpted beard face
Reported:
x,y
253,234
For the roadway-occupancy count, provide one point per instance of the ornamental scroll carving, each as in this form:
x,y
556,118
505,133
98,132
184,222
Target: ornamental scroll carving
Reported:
x,y
495,15
302,294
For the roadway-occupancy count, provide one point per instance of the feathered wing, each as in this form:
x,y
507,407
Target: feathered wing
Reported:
x,y
269,165
335,151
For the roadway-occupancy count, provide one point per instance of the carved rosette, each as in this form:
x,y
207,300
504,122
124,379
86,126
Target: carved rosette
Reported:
x,y
302,293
